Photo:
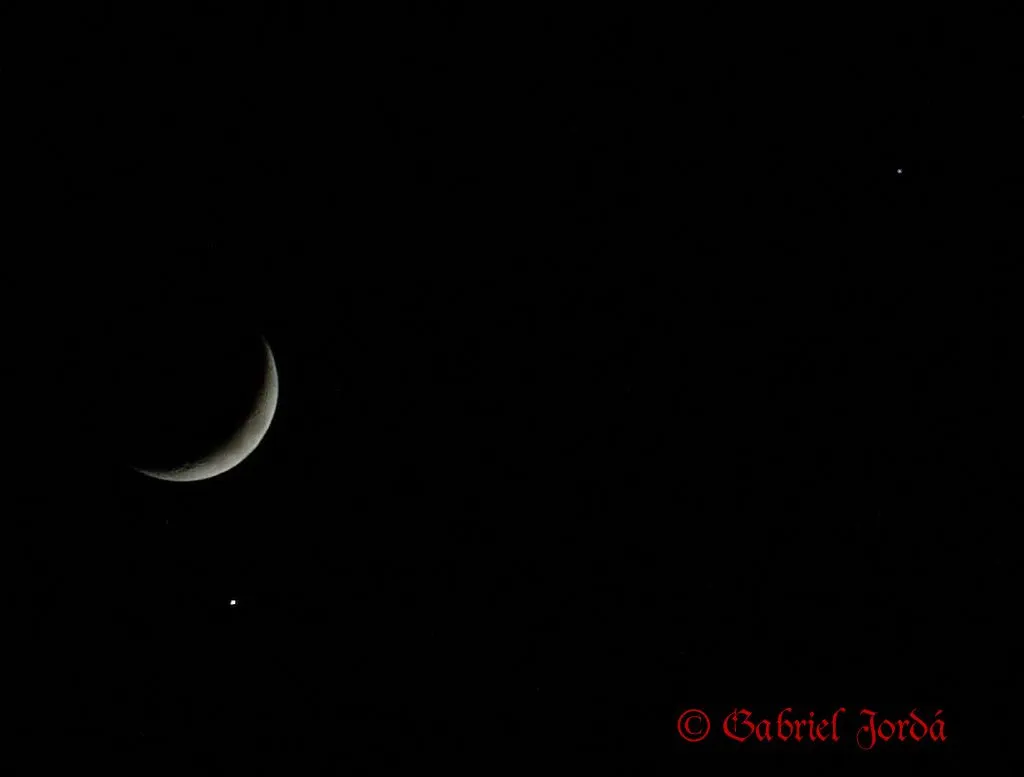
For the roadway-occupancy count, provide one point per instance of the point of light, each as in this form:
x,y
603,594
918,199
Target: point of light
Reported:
x,y
233,602
899,171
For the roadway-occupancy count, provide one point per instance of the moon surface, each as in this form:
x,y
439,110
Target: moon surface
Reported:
x,y
229,451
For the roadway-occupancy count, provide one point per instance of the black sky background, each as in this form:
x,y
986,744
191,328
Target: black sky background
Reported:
x,y
621,373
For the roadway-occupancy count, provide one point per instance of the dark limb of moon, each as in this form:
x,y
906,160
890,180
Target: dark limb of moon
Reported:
x,y
228,438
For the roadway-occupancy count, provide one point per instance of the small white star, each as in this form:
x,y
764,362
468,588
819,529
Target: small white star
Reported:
x,y
899,171
233,602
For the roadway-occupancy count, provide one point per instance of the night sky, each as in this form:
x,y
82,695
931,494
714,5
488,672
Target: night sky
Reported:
x,y
628,364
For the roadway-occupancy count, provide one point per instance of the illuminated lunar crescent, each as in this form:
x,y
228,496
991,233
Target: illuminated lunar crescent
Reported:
x,y
240,443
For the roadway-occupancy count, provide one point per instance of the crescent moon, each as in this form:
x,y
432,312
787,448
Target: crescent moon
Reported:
x,y
241,443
